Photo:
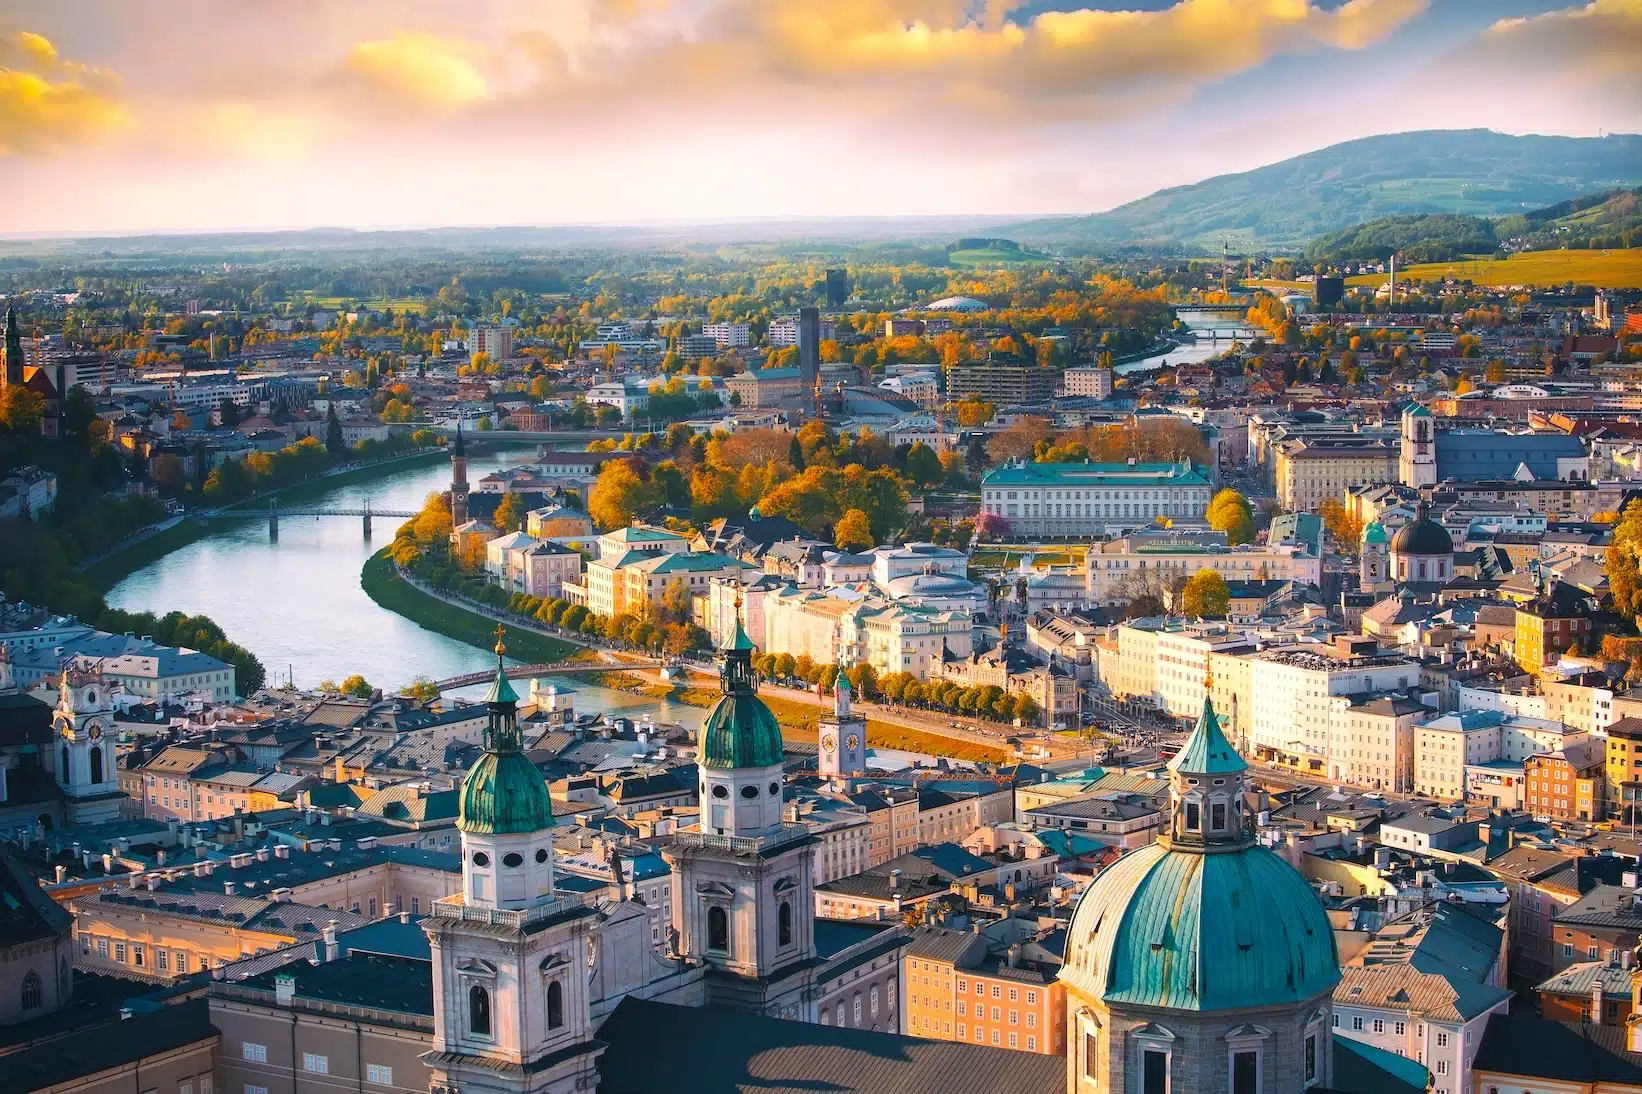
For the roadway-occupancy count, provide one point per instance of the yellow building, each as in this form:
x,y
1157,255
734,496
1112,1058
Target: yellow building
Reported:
x,y
956,990
1310,472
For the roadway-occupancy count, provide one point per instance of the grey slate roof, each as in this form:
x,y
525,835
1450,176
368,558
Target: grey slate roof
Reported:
x,y
1537,1049
109,1046
750,1053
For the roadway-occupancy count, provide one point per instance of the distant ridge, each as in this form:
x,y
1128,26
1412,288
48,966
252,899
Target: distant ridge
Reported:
x,y
1475,172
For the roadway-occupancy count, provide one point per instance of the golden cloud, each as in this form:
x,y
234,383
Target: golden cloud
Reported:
x,y
47,104
418,70
1599,43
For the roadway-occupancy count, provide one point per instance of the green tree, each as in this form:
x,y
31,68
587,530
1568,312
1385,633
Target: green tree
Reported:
x,y
21,411
170,476
1230,513
924,465
853,532
333,431
1206,595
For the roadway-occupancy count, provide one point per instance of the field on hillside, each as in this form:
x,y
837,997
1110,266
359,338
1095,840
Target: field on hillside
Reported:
x,y
1603,269
993,256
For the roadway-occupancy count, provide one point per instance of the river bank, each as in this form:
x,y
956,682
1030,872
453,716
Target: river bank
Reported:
x,y
141,550
387,589
353,476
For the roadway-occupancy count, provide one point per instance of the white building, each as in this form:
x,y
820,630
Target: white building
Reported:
x,y
1292,719
495,342
784,330
628,396
1088,381
729,335
1086,499
1446,746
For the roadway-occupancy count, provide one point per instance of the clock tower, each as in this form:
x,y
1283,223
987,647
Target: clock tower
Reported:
x,y
843,736
84,722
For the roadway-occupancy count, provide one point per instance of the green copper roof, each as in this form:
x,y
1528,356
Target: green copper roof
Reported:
x,y
1202,932
1207,752
1375,533
739,640
500,690
740,731
504,793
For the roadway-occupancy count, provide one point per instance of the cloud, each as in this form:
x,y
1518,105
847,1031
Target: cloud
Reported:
x,y
48,104
1596,48
418,71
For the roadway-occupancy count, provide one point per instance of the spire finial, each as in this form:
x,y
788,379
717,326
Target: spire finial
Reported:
x,y
501,633
1208,678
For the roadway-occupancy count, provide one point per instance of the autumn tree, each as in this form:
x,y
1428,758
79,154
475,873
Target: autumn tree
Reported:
x,y
1230,513
853,532
1346,529
509,514
21,411
356,686
675,601
1206,595
422,689
618,494
1622,562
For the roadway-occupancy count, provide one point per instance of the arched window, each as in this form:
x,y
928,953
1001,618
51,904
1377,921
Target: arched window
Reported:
x,y
784,923
479,1011
555,1005
32,991
62,772
718,929
96,757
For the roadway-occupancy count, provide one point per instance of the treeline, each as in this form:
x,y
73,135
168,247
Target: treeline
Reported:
x,y
1591,221
196,632
1431,237
233,480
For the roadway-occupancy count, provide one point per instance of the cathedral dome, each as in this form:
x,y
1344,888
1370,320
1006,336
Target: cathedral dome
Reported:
x,y
503,793
1205,919
1422,536
740,730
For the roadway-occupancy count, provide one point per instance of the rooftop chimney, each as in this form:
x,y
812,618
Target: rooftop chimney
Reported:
x,y
284,989
62,874
262,854
282,851
333,949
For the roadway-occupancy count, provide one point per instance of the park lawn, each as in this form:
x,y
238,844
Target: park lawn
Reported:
x,y
1287,286
1603,269
332,303
108,573
388,589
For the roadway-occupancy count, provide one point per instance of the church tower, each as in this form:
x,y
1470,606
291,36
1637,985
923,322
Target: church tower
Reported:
x,y
458,481
1375,565
85,748
1417,463
843,736
510,958
14,351
743,898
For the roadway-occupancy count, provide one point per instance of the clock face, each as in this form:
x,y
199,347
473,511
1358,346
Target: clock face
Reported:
x,y
96,732
853,742
828,744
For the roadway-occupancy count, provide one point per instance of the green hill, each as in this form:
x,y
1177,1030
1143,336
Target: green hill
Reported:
x,y
1428,237
1474,172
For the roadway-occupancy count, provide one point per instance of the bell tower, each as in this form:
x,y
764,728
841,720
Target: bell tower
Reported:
x,y
458,481
85,747
1417,462
843,736
743,880
510,957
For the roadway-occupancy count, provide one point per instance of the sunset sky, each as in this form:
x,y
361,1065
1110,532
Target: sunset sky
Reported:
x,y
139,115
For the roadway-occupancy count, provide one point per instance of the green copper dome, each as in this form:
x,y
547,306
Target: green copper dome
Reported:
x,y
504,793
1375,533
1196,931
740,730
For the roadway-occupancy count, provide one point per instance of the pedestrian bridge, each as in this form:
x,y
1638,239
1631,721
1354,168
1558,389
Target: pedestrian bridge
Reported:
x,y
520,672
274,512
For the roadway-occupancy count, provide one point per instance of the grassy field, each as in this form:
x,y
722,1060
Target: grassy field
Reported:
x,y
331,303
1604,269
385,587
1286,286
1071,554
993,256
108,573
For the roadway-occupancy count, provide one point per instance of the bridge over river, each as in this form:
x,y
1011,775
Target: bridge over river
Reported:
x,y
519,672
275,511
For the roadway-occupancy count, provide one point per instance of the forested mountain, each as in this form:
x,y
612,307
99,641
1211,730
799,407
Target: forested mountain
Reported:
x,y
1474,172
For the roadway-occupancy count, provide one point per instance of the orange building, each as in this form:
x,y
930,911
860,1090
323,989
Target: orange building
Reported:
x,y
958,988
1566,784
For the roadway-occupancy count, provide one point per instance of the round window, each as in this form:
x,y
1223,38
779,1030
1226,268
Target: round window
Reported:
x,y
513,860
775,790
749,792
721,791
541,854
481,859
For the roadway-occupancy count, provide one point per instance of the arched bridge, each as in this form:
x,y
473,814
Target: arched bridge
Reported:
x,y
519,672
275,511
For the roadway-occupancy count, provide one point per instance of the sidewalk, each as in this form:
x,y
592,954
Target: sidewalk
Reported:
x,y
509,618
131,541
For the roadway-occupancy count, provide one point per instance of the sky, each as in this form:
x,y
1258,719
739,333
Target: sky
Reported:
x,y
202,115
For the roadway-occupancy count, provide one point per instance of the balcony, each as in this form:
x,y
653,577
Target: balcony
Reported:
x,y
456,907
742,845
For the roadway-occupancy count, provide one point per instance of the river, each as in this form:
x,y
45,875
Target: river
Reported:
x,y
1215,335
296,602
